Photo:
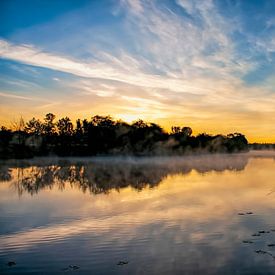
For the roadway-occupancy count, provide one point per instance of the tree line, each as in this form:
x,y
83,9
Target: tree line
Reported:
x,y
102,135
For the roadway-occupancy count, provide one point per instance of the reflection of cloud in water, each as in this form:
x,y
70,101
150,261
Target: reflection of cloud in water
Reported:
x,y
99,175
189,224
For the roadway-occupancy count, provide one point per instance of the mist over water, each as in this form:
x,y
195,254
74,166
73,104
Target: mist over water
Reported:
x,y
100,175
170,215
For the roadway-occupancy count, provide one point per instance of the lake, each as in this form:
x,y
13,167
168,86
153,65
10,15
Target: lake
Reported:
x,y
173,215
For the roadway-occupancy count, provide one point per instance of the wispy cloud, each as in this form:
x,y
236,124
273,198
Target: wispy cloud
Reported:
x,y
9,95
111,69
192,45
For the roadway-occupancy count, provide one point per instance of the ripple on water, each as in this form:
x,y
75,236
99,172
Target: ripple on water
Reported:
x,y
180,226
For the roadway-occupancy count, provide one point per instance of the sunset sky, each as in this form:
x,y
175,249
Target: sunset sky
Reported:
x,y
205,64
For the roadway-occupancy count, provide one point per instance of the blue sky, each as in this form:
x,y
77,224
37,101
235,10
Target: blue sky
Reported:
x,y
207,64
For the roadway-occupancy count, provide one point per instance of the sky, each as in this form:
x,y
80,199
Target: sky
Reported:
x,y
205,64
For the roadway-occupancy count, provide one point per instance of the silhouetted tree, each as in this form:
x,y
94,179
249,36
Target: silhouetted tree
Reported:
x,y
5,138
65,127
101,134
236,142
187,131
18,125
102,121
78,130
34,127
49,125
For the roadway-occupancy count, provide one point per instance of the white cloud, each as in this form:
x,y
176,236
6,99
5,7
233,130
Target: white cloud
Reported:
x,y
109,69
173,41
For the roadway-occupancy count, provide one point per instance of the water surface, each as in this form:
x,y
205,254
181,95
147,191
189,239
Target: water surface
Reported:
x,y
191,215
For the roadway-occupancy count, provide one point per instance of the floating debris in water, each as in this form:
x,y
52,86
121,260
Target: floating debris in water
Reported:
x,y
247,241
246,213
263,232
271,245
256,235
265,252
11,263
74,267
122,262
261,251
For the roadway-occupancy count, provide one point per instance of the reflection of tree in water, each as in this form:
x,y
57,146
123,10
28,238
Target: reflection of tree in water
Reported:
x,y
101,176
5,173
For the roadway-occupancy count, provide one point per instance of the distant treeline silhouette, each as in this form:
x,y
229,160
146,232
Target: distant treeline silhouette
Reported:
x,y
101,135
262,146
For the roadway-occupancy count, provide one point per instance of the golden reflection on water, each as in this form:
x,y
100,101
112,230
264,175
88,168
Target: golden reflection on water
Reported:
x,y
197,208
177,199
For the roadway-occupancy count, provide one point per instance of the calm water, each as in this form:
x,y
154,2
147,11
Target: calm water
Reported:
x,y
162,216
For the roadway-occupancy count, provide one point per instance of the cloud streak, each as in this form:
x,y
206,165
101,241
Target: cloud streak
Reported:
x,y
9,95
111,69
